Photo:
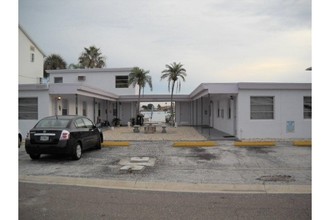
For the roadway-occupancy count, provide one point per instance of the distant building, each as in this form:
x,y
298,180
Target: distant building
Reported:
x,y
30,60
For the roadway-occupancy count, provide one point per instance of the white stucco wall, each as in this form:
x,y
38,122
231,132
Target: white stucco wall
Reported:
x,y
29,72
97,78
44,109
288,106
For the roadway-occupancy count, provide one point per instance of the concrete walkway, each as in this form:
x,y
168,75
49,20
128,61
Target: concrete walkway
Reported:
x,y
168,186
173,134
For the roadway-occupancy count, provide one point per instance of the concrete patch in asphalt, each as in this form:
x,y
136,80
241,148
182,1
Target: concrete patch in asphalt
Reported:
x,y
136,164
131,168
140,159
128,161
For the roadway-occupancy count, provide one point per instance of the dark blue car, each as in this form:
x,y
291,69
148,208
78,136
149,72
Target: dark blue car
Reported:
x,y
68,135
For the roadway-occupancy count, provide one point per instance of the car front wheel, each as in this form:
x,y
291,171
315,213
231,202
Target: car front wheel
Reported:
x,y
77,152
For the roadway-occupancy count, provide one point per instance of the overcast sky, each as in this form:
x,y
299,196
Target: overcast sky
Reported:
x,y
215,40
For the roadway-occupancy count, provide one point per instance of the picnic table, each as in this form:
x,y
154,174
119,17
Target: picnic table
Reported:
x,y
150,127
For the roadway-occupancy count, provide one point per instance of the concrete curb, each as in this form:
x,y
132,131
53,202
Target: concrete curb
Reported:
x,y
167,186
302,143
115,144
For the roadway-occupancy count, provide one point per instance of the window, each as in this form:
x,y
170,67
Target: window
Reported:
x,y
81,78
88,123
28,108
79,123
121,81
58,79
307,107
262,107
32,57
54,123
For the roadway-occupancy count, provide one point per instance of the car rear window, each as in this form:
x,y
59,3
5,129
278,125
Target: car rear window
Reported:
x,y
53,123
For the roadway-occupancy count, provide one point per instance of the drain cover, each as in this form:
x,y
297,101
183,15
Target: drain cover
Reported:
x,y
276,178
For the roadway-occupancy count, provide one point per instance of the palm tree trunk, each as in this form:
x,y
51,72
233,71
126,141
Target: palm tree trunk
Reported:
x,y
138,104
172,116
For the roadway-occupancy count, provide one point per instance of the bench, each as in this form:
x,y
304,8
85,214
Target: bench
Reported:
x,y
136,128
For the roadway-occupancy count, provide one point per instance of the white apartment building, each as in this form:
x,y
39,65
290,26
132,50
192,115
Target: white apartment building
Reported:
x,y
242,110
30,60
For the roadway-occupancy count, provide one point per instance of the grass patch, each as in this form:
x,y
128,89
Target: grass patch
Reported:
x,y
302,143
195,144
254,143
115,144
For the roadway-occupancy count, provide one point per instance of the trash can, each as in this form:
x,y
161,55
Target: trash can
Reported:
x,y
139,119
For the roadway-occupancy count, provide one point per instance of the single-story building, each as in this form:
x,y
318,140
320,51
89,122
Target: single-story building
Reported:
x,y
242,110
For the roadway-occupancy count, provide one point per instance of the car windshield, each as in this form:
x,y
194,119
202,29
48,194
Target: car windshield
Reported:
x,y
53,123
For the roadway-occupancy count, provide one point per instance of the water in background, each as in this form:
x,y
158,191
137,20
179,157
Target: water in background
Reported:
x,y
158,116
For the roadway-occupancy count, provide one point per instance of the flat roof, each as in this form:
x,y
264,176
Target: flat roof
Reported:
x,y
267,86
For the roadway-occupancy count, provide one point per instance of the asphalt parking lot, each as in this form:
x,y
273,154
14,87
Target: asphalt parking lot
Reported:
x,y
283,164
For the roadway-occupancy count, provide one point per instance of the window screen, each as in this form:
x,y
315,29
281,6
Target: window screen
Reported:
x,y
28,108
262,107
307,107
121,81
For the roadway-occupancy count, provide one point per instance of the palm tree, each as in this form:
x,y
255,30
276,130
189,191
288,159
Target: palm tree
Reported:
x,y
53,62
173,73
91,58
139,77
72,66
